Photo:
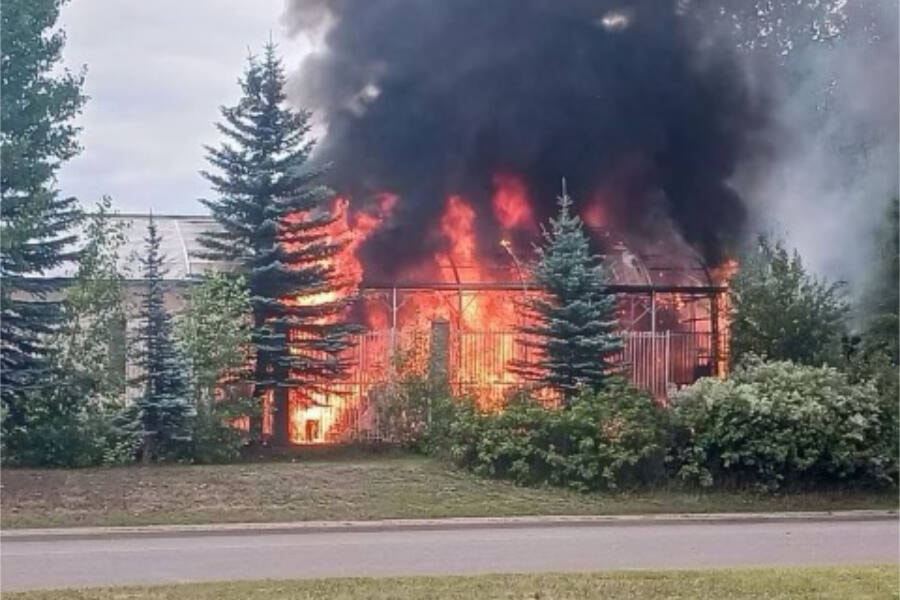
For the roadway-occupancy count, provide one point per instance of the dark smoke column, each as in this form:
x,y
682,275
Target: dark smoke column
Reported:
x,y
426,99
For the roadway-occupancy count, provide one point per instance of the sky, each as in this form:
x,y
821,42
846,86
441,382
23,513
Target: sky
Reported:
x,y
157,73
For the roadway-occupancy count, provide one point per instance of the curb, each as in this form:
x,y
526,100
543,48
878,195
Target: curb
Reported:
x,y
310,527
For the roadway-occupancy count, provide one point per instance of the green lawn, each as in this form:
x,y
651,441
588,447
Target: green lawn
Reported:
x,y
842,583
377,488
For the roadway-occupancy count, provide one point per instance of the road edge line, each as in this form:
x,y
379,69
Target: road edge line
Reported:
x,y
459,523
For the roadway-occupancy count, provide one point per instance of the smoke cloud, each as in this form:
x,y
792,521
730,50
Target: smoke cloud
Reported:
x,y
832,73
640,112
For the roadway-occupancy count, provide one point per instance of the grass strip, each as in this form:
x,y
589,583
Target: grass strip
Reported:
x,y
838,583
357,489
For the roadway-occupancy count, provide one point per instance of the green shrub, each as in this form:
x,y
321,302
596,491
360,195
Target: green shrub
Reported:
x,y
773,424
612,439
780,310
416,412
84,439
213,437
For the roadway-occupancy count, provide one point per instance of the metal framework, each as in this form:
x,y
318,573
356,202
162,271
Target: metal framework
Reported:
x,y
672,336
644,308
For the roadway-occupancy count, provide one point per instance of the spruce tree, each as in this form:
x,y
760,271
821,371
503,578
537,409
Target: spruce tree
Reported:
x,y
273,222
39,103
570,331
161,413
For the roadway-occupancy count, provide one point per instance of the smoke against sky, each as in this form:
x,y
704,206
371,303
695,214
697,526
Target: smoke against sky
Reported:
x,y
832,71
816,161
429,99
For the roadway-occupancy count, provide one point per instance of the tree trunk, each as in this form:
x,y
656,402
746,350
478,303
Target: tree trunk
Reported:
x,y
261,366
281,434
147,449
256,419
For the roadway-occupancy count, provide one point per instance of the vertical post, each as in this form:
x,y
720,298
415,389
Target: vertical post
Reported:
x,y
393,334
668,360
438,357
654,358
458,343
714,333
281,421
439,350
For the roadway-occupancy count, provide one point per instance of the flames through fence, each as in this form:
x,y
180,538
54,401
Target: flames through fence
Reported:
x,y
672,336
464,318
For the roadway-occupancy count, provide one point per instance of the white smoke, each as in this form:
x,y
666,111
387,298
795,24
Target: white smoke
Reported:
x,y
835,161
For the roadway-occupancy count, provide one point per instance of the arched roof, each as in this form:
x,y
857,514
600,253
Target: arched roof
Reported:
x,y
632,261
667,261
178,245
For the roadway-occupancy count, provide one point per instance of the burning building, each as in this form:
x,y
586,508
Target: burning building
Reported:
x,y
457,308
450,126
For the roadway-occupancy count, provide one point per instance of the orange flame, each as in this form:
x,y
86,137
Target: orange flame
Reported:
x,y
458,228
481,343
723,274
313,414
510,202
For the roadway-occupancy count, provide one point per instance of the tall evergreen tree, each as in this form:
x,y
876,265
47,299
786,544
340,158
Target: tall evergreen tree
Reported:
x,y
273,224
162,411
39,103
571,330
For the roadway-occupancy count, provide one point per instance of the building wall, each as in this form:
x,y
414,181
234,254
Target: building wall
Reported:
x,y
175,293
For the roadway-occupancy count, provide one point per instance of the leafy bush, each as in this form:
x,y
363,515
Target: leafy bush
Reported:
x,y
778,423
877,366
210,435
213,437
213,331
85,439
783,312
605,440
415,411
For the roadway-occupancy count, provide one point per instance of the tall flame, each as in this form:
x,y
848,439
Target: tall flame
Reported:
x,y
482,321
313,413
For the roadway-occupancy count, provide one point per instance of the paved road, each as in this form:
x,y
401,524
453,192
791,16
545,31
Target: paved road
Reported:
x,y
182,558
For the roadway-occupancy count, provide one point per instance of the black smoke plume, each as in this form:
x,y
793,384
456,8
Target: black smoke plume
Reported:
x,y
430,98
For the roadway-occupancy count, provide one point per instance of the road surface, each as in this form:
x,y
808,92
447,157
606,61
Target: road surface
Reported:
x,y
189,557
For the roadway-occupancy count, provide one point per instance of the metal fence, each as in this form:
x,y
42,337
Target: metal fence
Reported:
x,y
478,365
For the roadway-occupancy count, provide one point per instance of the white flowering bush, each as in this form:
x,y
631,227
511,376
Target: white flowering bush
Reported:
x,y
775,424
